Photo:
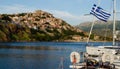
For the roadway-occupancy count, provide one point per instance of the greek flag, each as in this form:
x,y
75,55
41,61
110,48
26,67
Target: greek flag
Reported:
x,y
100,13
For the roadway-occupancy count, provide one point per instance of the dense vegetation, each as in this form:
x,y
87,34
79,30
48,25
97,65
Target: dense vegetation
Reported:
x,y
13,32
36,29
100,29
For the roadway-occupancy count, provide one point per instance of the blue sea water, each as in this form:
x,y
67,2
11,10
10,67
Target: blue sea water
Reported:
x,y
39,55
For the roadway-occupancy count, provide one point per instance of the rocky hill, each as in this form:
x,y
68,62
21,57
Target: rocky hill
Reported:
x,y
37,26
100,28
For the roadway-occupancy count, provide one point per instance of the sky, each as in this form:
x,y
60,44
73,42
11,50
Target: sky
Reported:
x,y
72,11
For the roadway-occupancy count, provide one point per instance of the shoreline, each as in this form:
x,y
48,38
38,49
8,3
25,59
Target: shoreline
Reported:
x,y
53,41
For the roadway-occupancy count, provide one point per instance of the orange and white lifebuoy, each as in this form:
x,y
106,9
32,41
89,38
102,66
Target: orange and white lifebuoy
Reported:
x,y
75,57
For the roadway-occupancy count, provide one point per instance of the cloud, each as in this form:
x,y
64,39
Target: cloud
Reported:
x,y
63,14
16,8
69,17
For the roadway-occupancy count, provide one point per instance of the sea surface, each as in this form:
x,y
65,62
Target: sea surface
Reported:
x,y
39,55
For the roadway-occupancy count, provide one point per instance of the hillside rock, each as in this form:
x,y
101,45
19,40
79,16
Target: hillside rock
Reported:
x,y
37,26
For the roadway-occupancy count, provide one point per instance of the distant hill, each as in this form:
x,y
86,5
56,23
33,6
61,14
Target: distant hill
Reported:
x,y
100,28
37,26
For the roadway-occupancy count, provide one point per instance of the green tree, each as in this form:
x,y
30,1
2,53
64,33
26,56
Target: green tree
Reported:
x,y
2,36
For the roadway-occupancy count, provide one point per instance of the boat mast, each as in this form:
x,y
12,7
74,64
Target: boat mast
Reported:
x,y
114,17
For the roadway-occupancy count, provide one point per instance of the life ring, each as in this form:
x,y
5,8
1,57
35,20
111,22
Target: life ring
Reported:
x,y
108,58
75,57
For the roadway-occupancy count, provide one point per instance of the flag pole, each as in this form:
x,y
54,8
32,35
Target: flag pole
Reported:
x,y
91,30
92,25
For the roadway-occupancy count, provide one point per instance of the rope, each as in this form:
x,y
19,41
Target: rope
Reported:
x,y
106,31
99,1
61,65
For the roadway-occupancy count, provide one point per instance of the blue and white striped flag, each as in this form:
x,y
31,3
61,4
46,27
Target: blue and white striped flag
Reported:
x,y
100,13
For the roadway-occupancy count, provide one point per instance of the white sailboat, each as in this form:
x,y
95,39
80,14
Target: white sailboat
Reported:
x,y
99,57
